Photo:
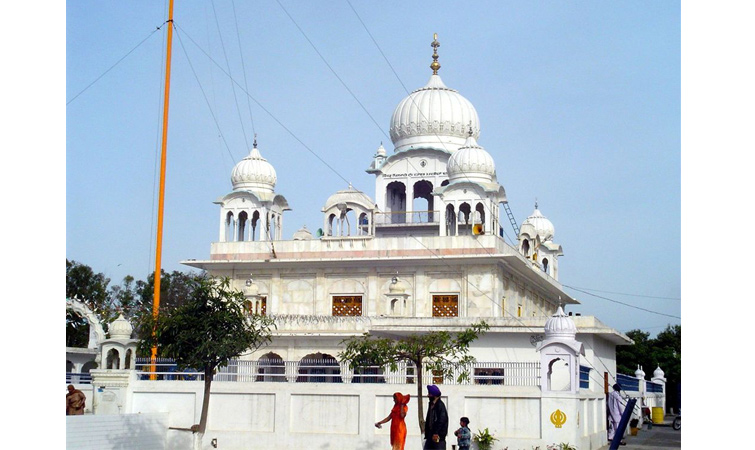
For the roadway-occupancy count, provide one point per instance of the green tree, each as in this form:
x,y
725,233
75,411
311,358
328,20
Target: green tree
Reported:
x,y
209,328
664,351
90,288
441,352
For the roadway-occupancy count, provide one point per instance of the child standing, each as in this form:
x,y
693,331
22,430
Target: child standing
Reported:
x,y
463,434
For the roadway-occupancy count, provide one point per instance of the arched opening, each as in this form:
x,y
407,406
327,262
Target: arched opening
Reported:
x,y
272,227
254,235
545,265
129,359
395,200
113,359
465,223
480,216
77,330
69,366
271,368
242,225
331,219
229,226
345,219
423,202
319,368
558,375
526,248
450,221
90,365
364,224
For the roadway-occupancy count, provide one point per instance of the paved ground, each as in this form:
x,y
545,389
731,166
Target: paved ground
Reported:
x,y
660,436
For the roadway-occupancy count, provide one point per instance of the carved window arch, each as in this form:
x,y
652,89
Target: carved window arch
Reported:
x,y
113,359
270,367
319,368
450,221
243,216
254,233
423,211
395,197
229,226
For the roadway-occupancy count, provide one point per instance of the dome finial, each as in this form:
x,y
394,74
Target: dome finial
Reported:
x,y
471,132
254,144
535,202
435,64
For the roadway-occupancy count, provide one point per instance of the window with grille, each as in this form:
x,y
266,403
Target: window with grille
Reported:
x,y
258,306
347,305
445,306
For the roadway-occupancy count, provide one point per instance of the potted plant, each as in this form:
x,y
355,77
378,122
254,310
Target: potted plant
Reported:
x,y
633,427
484,439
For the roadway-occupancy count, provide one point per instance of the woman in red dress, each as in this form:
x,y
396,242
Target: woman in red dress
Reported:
x,y
398,426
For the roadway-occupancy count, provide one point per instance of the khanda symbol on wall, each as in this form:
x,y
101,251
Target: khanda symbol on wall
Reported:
x,y
558,418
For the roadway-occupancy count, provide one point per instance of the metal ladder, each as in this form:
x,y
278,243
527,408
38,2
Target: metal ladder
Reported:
x,y
511,219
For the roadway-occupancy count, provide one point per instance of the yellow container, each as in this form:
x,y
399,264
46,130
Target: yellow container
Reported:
x,y
657,415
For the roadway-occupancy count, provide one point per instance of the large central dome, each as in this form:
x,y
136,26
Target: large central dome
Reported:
x,y
434,116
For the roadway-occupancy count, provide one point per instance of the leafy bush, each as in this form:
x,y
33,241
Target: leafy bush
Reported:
x,y
484,439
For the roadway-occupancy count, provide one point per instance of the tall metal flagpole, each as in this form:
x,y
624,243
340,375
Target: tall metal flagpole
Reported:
x,y
161,202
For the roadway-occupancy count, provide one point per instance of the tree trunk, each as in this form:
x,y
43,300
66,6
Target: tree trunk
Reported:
x,y
208,372
420,408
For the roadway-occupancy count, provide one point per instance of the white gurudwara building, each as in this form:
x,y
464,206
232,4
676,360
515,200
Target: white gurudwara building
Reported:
x,y
424,252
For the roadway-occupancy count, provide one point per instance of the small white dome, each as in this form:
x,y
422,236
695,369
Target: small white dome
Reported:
x,y
639,373
120,328
254,173
380,150
658,373
398,286
537,225
471,162
560,325
434,116
349,196
303,234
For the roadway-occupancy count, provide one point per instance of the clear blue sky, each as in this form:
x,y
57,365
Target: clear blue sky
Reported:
x,y
579,103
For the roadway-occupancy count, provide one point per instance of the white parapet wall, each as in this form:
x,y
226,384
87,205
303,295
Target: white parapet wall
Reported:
x,y
342,415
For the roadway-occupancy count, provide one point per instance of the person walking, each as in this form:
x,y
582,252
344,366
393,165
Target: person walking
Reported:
x,y
436,421
615,411
397,415
75,401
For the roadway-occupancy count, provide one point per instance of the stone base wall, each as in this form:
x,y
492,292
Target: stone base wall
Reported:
x,y
340,416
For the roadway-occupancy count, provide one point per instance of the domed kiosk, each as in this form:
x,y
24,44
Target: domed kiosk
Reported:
x,y
252,211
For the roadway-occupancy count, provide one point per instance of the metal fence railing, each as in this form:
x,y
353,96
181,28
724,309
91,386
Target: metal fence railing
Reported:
x,y
628,383
330,371
78,378
407,217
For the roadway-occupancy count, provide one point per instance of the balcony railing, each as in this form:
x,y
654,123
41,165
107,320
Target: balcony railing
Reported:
x,y
330,371
407,218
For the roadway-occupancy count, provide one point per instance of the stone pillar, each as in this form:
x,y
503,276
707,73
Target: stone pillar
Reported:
x,y
347,373
292,371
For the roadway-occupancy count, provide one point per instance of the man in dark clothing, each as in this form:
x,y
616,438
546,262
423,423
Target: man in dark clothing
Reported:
x,y
436,421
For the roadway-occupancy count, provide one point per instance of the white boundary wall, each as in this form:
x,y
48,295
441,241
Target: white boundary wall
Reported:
x,y
331,416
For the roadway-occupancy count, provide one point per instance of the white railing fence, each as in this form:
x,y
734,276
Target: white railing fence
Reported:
x,y
331,371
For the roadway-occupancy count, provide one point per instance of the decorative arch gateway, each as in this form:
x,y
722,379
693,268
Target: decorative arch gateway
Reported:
x,y
96,332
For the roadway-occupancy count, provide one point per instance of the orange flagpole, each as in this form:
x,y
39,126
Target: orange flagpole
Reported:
x,y
161,202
